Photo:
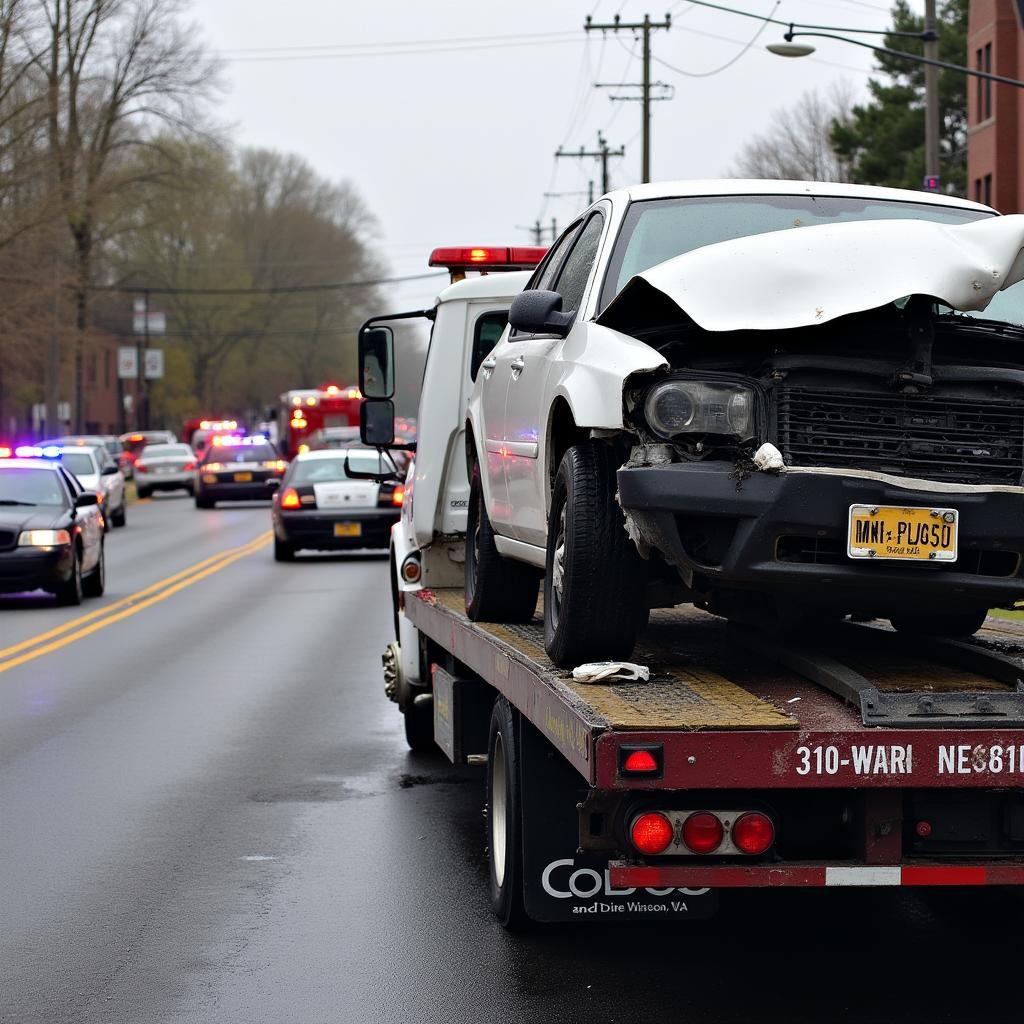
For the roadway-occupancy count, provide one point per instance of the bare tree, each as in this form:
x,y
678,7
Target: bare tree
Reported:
x,y
797,143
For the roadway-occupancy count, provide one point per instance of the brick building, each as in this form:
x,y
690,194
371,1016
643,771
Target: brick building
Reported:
x,y
995,113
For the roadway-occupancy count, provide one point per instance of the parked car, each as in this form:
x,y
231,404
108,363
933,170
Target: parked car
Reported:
x,y
165,467
781,401
238,469
96,471
109,441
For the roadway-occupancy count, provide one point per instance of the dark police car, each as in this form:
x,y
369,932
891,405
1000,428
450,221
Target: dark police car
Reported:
x,y
51,530
238,469
320,506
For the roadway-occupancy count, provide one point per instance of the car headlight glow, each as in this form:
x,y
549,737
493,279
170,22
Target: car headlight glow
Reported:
x,y
677,407
43,538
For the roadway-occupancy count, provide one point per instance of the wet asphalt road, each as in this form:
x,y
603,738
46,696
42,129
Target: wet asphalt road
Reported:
x,y
208,813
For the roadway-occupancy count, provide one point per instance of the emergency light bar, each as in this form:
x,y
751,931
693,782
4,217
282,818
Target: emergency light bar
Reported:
x,y
33,451
232,441
488,257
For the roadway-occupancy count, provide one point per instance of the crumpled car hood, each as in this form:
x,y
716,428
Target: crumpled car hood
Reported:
x,y
805,276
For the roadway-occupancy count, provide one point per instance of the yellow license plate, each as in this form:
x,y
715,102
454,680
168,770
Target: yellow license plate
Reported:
x,y
243,478
348,529
904,534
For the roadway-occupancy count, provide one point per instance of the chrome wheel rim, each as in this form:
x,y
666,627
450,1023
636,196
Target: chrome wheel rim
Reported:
x,y
499,811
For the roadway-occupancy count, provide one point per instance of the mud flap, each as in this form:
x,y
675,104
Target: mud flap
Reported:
x,y
561,884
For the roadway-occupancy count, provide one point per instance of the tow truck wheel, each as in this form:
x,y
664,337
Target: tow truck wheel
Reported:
x,y
504,819
946,624
419,724
497,589
594,584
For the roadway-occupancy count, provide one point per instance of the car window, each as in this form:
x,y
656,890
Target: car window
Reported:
x,y
157,451
239,453
486,333
33,486
547,270
78,463
572,280
308,471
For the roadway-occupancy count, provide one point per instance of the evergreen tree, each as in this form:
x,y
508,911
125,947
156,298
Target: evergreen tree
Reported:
x,y
884,139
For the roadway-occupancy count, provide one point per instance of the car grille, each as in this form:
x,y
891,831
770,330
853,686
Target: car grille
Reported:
x,y
925,436
8,539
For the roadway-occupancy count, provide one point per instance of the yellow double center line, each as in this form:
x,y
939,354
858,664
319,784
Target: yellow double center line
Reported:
x,y
84,625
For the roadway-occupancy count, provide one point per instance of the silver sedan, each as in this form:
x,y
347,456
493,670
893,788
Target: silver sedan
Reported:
x,y
164,467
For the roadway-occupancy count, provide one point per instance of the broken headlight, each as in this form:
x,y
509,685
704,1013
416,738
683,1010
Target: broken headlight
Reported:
x,y
677,407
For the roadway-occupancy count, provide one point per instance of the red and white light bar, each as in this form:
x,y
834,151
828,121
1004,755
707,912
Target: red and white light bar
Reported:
x,y
488,257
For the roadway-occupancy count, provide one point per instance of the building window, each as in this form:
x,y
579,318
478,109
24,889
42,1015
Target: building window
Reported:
x,y
977,190
986,85
106,368
90,370
980,116
987,190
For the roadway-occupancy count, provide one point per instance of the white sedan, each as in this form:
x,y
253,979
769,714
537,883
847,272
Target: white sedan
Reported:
x,y
96,471
705,384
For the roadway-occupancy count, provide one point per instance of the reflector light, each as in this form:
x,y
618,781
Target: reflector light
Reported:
x,y
923,829
640,762
753,832
651,833
398,496
702,832
411,569
508,257
290,498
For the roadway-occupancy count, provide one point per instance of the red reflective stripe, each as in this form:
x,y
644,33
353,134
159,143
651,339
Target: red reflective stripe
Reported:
x,y
944,876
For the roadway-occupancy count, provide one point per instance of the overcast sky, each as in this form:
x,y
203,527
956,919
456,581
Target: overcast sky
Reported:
x,y
452,142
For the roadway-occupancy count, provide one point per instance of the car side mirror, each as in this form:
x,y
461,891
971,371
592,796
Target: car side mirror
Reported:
x,y
540,312
86,499
377,362
377,422
109,470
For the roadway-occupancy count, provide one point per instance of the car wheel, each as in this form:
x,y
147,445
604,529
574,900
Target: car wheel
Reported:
x,y
594,584
497,589
504,818
70,592
283,551
95,583
120,517
202,502
143,492
941,624
419,724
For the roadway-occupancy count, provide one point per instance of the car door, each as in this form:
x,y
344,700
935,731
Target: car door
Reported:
x,y
527,399
496,373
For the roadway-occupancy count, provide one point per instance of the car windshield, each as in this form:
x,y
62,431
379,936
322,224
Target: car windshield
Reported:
x,y
240,453
659,229
78,463
163,451
23,485
308,471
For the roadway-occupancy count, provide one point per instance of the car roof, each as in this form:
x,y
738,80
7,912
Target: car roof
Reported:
x,y
330,453
70,449
775,187
50,464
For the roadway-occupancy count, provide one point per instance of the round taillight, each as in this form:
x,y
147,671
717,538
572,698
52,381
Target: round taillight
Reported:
x,y
702,832
753,832
640,761
411,569
923,829
651,833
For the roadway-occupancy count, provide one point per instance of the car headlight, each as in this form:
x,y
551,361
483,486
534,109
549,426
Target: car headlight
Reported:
x,y
43,538
677,407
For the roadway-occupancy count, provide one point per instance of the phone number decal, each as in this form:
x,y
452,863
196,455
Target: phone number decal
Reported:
x,y
899,759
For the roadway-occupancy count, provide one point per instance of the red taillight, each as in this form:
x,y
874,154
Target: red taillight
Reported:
x,y
141,467
398,496
290,498
189,465
640,762
651,833
702,832
753,832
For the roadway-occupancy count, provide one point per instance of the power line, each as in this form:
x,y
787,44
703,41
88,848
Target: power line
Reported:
x,y
729,63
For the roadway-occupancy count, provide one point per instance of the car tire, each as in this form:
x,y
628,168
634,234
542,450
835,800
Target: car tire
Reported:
x,y
594,583
941,624
143,493
419,724
95,583
504,819
202,502
70,592
120,517
497,589
283,551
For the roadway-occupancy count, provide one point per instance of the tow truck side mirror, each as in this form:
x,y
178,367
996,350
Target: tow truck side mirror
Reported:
x,y
540,312
377,422
377,362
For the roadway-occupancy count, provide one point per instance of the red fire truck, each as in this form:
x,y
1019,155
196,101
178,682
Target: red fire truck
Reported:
x,y
305,410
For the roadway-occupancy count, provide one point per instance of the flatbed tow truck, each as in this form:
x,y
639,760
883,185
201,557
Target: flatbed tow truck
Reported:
x,y
845,756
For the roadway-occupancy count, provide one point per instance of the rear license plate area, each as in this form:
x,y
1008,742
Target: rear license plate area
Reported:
x,y
903,533
348,530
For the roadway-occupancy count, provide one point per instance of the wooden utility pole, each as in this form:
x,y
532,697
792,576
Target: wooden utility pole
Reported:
x,y
931,94
647,27
602,153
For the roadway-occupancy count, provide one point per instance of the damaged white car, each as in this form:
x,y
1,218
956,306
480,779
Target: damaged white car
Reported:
x,y
776,400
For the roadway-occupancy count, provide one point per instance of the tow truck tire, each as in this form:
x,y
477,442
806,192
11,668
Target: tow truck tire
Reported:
x,y
594,583
497,589
95,583
70,593
419,724
505,819
941,624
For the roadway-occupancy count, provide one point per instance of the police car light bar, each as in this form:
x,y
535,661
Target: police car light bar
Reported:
x,y
33,451
488,257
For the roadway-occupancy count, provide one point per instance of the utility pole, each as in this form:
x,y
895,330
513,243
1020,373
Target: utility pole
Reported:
x,y
647,27
931,94
142,343
602,153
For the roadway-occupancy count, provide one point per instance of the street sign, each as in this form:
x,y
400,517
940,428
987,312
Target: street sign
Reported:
x,y
157,321
931,183
154,363
127,362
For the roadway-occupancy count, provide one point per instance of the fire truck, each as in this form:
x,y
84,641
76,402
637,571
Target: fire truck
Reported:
x,y
306,410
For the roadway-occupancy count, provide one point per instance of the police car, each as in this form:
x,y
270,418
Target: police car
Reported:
x,y
238,469
51,529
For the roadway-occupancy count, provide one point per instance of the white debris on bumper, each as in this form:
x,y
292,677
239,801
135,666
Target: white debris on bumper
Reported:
x,y
768,458
611,672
